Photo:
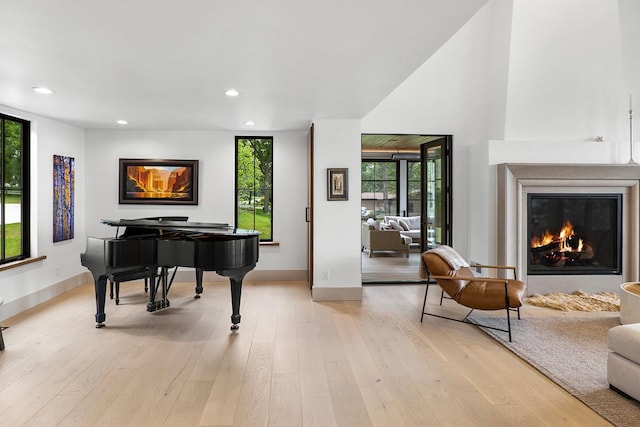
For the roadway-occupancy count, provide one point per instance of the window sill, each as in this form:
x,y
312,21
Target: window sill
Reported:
x,y
269,243
20,263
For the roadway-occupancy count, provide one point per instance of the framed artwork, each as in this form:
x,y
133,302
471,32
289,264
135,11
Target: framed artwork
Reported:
x,y
338,184
158,182
63,197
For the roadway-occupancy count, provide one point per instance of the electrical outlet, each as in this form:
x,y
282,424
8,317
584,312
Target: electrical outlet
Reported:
x,y
57,271
326,275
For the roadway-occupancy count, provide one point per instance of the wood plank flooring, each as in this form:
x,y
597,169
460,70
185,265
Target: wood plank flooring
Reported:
x,y
390,266
293,362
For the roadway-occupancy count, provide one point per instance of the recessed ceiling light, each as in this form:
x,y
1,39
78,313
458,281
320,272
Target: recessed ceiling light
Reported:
x,y
232,92
122,122
249,123
42,90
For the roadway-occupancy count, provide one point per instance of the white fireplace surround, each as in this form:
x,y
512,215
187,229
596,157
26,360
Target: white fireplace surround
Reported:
x,y
516,181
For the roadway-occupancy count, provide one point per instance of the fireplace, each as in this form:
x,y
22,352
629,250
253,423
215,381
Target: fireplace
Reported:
x,y
574,233
602,205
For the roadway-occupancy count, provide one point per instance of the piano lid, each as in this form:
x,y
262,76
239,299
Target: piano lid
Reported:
x,y
185,226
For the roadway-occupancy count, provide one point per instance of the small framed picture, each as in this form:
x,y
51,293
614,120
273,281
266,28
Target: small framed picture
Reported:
x,y
338,184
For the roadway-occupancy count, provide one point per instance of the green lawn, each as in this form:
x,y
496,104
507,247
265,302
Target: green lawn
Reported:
x,y
13,240
12,198
263,222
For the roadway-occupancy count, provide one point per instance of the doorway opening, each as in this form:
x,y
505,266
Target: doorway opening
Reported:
x,y
406,203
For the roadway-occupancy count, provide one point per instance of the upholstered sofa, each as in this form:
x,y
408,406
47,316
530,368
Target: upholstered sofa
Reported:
x,y
377,237
406,225
623,360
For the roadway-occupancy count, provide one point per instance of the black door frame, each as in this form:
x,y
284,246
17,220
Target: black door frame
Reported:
x,y
446,211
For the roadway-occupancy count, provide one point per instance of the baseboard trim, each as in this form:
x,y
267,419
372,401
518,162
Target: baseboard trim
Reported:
x,y
336,294
254,275
11,308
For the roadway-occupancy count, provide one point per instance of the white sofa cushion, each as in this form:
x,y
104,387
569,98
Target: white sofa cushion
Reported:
x,y
414,234
395,226
413,222
625,340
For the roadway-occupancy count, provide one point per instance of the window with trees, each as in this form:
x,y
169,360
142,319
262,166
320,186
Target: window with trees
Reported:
x,y
379,189
413,188
14,197
254,185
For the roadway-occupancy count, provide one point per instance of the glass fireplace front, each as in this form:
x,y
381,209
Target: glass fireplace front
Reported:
x,y
574,233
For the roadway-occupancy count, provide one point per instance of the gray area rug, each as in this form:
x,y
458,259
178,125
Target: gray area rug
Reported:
x,y
571,351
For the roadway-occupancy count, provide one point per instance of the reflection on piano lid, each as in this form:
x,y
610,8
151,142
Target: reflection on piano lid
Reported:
x,y
131,231
183,226
162,223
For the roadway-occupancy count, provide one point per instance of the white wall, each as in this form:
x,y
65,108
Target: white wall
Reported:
x,y
215,152
26,286
97,153
630,41
565,72
522,81
337,271
460,91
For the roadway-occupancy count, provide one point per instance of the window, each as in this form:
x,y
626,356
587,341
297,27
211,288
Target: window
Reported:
x,y
413,188
14,196
254,185
379,189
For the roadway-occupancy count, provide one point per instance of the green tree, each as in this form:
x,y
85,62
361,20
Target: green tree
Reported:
x,y
254,175
249,175
12,155
255,164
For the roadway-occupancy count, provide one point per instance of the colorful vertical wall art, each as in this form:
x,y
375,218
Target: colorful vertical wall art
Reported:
x,y
63,197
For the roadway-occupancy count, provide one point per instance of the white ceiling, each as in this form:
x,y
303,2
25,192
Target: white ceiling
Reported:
x,y
165,64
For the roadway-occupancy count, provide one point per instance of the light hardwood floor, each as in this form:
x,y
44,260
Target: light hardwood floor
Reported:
x,y
293,362
390,266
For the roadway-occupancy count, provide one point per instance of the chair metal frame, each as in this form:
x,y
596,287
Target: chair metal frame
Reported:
x,y
472,278
1,328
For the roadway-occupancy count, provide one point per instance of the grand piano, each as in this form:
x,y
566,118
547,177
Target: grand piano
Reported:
x,y
153,246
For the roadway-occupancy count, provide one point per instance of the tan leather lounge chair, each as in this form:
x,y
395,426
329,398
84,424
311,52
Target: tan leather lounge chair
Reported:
x,y
457,280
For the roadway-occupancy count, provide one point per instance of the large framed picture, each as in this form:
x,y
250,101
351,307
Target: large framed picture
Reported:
x,y
158,181
338,184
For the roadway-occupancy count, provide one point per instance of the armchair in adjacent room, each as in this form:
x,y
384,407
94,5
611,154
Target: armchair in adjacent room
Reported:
x,y
456,279
375,239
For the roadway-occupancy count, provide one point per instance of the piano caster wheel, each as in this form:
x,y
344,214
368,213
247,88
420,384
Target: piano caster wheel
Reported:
x,y
100,325
235,327
197,296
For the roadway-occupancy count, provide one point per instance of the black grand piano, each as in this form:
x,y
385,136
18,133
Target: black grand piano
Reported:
x,y
150,247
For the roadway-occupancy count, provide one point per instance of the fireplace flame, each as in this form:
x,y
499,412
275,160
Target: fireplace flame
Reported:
x,y
563,239
561,249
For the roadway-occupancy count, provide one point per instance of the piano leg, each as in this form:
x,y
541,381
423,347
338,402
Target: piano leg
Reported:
x,y
236,292
153,304
235,278
198,283
101,293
